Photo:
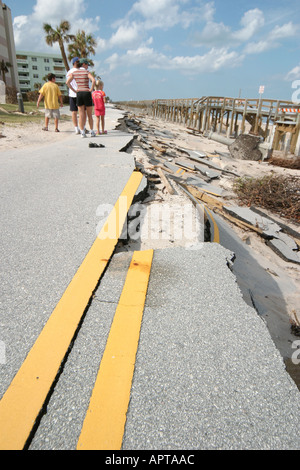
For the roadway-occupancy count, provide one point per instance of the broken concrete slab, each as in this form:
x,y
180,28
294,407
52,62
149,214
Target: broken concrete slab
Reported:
x,y
290,242
269,228
212,174
165,134
132,125
194,181
283,250
193,154
171,167
196,153
187,165
287,229
203,160
283,245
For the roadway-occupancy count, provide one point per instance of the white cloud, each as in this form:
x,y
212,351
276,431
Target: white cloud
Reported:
x,y
56,10
208,11
252,21
271,41
216,34
101,45
259,47
252,27
213,61
213,34
285,31
28,30
146,15
20,23
141,55
165,14
293,74
89,25
154,8
126,35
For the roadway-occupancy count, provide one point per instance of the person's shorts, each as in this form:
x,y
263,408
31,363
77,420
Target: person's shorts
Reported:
x,y
73,103
99,112
84,98
52,113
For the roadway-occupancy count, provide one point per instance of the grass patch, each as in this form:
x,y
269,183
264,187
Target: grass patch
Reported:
x,y
279,194
9,114
28,107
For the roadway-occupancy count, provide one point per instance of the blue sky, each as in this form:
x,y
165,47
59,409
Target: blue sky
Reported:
x,y
148,49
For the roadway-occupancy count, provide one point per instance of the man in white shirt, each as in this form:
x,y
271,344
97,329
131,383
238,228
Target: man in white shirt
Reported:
x,y
72,95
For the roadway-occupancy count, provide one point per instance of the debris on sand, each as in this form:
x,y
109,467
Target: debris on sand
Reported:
x,y
280,194
285,162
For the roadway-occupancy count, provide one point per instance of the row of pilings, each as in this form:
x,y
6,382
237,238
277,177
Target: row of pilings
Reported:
x,y
277,122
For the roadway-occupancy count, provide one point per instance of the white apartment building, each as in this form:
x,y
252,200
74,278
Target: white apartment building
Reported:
x,y
7,45
33,67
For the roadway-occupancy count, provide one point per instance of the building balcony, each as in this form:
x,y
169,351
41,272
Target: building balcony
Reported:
x,y
25,87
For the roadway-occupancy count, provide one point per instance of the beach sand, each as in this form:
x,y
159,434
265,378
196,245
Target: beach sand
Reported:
x,y
17,136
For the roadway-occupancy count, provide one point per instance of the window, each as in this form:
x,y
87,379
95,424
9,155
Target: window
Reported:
x,y
34,59
34,67
35,75
47,69
46,60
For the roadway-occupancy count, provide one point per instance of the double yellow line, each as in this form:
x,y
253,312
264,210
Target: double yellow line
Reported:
x,y
23,401
104,424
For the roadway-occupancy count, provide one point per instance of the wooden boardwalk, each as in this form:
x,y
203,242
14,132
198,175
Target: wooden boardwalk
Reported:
x,y
275,121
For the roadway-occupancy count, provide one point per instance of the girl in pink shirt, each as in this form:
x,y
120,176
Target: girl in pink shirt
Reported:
x,y
99,104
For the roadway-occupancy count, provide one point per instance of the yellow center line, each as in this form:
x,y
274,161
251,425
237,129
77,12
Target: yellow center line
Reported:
x,y
180,171
216,238
104,424
24,399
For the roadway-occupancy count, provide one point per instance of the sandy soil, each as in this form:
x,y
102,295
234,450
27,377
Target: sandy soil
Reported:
x,y
16,136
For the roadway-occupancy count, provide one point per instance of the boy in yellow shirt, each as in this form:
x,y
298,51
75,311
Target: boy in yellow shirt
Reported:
x,y
51,94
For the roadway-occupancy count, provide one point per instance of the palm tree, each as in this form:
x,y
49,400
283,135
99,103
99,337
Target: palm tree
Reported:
x,y
60,35
96,77
83,46
4,69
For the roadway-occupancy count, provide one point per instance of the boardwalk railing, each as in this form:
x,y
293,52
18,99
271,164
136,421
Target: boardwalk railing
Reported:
x,y
277,122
